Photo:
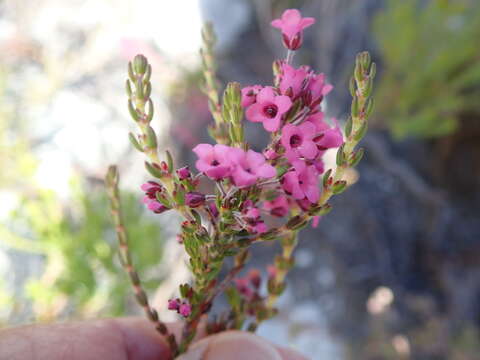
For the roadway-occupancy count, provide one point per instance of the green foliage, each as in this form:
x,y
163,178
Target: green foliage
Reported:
x,y
15,161
82,274
431,69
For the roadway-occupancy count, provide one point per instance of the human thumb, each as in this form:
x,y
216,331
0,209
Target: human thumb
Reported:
x,y
236,345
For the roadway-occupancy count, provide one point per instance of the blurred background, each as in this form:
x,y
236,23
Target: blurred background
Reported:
x,y
392,273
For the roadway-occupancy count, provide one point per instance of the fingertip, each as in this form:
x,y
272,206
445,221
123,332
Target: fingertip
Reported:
x,y
233,345
289,354
141,340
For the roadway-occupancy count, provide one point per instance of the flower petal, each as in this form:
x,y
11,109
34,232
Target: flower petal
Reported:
x,y
284,103
203,150
308,149
272,125
254,113
243,178
266,95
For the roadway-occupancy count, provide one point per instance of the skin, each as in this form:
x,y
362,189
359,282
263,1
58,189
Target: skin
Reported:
x,y
128,339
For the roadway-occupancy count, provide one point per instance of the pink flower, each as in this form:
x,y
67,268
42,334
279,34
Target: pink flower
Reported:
x,y
298,141
213,160
319,164
270,154
151,189
243,288
251,215
326,136
292,80
249,166
278,207
249,94
259,228
292,25
330,137
317,89
268,109
317,120
302,182
185,309
304,204
173,304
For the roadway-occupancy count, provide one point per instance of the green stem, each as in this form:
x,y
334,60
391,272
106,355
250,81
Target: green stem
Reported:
x,y
111,181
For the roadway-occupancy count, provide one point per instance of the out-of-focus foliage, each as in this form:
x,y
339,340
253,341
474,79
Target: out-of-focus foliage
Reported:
x,y
431,65
81,274
15,162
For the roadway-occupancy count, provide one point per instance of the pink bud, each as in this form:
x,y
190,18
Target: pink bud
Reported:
x,y
183,173
213,209
194,199
185,309
270,154
156,207
173,304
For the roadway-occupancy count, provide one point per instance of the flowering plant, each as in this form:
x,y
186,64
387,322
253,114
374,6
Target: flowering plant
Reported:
x,y
287,181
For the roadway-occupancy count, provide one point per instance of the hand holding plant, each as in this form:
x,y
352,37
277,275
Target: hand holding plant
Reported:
x,y
287,181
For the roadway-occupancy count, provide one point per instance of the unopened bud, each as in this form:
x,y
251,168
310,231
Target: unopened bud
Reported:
x,y
183,173
140,64
194,199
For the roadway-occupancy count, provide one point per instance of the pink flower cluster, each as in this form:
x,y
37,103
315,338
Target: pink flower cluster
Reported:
x,y
291,111
243,167
152,190
182,307
304,136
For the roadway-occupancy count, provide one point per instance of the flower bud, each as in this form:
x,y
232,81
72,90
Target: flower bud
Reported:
x,y
173,304
270,154
213,209
194,199
185,309
157,207
140,64
183,173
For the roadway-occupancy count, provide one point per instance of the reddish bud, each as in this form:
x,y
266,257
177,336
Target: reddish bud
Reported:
x,y
194,199
185,309
213,209
183,173
173,304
